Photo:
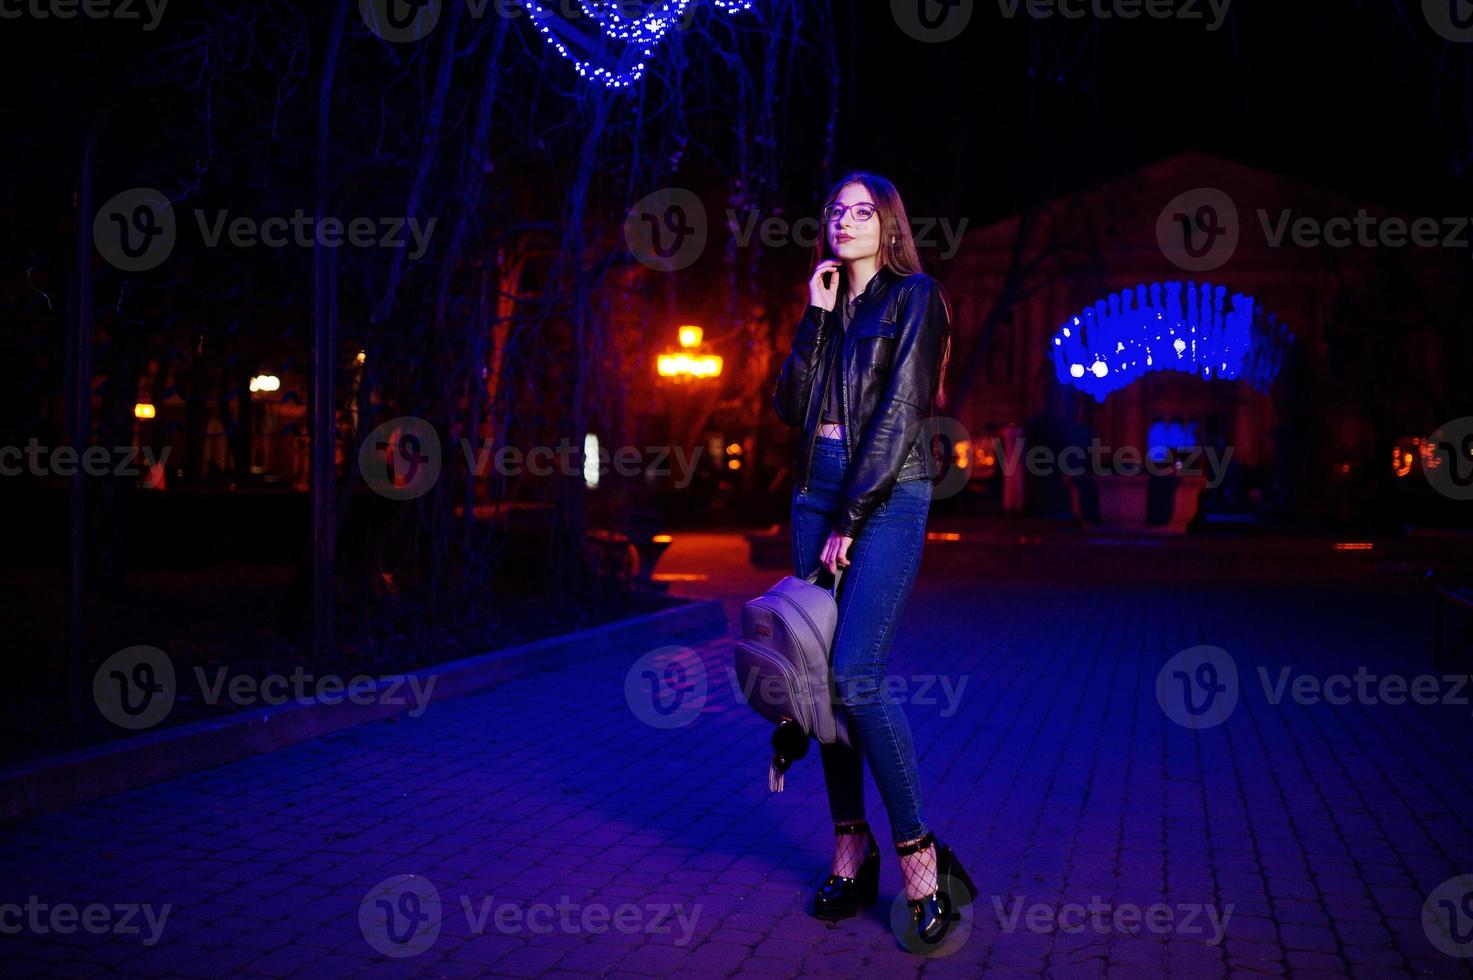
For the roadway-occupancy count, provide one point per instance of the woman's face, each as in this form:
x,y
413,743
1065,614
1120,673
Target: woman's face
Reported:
x,y
849,237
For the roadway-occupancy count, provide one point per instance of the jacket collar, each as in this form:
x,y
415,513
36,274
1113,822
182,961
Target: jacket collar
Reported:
x,y
881,280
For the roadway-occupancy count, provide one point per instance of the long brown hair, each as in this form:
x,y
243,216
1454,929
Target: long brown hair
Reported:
x,y
897,246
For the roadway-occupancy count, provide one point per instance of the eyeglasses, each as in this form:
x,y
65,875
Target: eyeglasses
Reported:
x,y
862,212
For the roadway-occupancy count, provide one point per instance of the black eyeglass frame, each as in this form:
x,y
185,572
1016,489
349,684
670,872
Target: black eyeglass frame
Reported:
x,y
839,210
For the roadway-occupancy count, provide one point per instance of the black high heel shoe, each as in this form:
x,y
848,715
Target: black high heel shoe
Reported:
x,y
841,897
931,915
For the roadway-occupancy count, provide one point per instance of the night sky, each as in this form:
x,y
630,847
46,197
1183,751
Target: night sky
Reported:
x,y
1355,96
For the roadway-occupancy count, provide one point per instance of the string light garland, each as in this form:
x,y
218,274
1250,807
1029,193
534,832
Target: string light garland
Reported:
x,y
1170,326
639,36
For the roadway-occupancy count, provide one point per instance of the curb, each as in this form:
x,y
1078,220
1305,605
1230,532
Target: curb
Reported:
x,y
53,783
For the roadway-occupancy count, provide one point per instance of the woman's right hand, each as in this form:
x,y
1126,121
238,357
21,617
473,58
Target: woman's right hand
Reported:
x,y
822,296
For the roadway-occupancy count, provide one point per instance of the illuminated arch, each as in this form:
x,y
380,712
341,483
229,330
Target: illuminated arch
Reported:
x,y
1171,326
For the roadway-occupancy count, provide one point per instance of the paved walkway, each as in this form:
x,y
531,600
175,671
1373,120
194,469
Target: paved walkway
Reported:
x,y
551,827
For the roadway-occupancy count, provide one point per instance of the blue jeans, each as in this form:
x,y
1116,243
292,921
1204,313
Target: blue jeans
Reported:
x,y
883,561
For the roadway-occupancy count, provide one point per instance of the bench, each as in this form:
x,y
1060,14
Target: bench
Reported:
x,y
630,554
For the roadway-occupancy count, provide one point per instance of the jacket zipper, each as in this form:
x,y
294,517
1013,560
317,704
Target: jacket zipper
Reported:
x,y
843,410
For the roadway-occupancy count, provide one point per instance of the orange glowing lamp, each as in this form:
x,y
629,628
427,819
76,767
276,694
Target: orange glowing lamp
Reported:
x,y
688,365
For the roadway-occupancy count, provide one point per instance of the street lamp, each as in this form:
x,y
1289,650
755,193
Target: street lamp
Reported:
x,y
687,364
684,366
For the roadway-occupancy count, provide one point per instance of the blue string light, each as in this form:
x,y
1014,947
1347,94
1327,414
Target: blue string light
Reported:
x,y
642,34
1168,326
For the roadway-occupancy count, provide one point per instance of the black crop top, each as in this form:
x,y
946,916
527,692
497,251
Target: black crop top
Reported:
x,y
831,401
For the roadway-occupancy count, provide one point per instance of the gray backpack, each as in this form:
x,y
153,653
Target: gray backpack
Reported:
x,y
783,667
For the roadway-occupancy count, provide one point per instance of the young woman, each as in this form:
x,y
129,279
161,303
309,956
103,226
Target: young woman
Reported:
x,y
864,373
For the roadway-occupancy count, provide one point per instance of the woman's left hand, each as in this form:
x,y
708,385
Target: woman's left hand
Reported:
x,y
835,553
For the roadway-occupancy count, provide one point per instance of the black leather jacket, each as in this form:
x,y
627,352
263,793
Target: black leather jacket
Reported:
x,y
894,345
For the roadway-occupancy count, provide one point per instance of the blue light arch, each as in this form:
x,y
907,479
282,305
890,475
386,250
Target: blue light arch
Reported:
x,y
1169,326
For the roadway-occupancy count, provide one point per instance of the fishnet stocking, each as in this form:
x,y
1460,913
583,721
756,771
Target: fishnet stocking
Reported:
x,y
919,871
850,850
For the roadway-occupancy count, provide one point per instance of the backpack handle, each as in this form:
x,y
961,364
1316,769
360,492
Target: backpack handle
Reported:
x,y
833,589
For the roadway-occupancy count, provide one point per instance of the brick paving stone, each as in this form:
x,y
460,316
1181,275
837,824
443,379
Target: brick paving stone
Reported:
x,y
285,961
763,966
716,959
389,970
225,960
1057,779
1301,960
654,960
529,961
1372,956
